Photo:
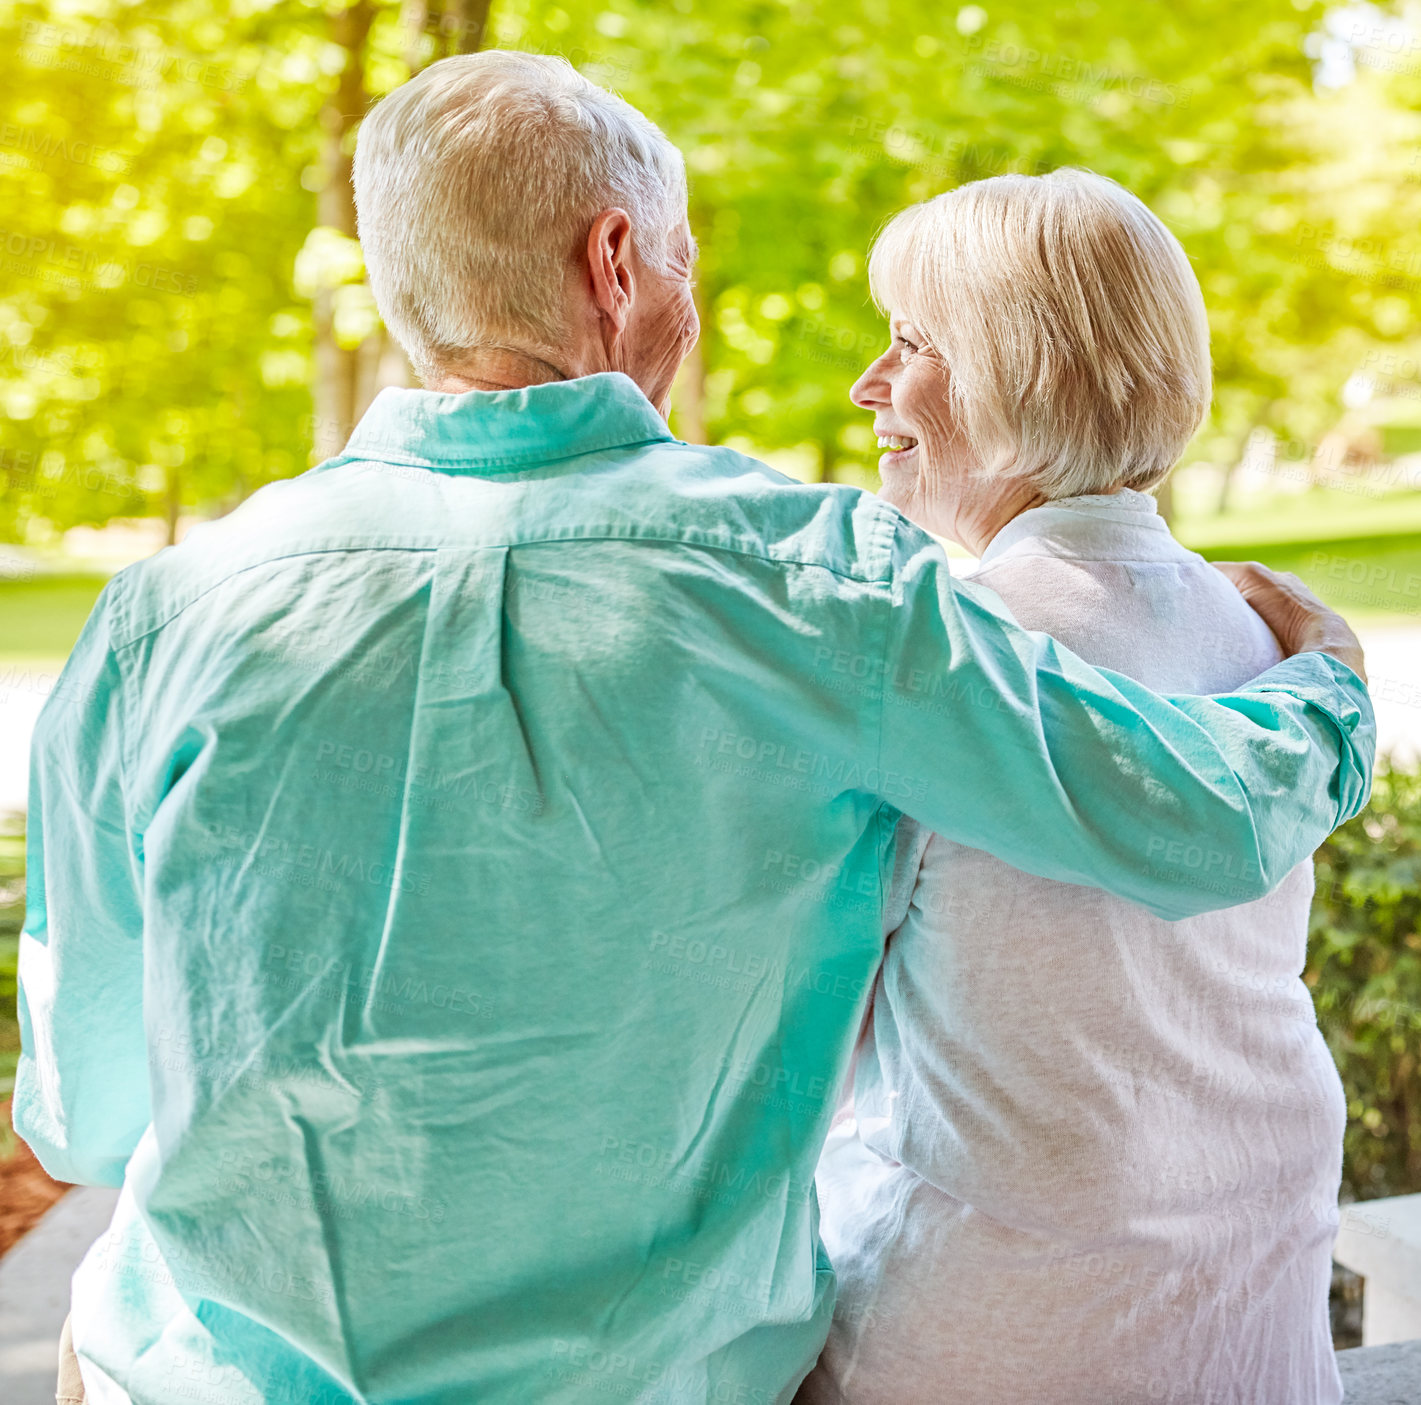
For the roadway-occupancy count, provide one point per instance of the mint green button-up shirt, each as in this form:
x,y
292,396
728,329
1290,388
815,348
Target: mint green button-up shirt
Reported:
x,y
456,880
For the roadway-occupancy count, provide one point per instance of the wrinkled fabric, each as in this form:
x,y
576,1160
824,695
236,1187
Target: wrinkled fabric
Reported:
x,y
457,877
1094,1157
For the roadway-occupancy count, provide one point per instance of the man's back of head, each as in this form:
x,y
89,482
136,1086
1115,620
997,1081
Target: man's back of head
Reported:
x,y
476,183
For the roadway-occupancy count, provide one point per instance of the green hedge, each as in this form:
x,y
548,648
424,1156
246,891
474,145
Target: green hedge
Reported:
x,y
1364,968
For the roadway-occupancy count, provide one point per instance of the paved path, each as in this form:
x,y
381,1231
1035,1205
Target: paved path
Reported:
x,y
1382,1375
34,1292
1394,671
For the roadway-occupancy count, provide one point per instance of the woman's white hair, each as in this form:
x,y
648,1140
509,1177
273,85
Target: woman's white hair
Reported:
x,y
476,184
1070,322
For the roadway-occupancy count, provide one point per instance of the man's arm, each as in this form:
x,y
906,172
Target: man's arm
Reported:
x,y
81,1092
1014,745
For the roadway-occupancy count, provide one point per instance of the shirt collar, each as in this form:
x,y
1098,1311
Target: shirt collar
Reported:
x,y
525,428
1091,527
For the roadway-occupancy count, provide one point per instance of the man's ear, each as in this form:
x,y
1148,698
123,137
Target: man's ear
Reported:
x,y
609,254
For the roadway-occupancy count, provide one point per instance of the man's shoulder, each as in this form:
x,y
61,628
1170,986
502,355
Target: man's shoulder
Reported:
x,y
837,526
146,595
668,496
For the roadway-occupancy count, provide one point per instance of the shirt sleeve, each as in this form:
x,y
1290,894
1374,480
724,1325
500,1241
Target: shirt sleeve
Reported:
x,y
81,1091
1003,740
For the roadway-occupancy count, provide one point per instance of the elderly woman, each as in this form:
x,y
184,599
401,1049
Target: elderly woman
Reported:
x,y
1093,1155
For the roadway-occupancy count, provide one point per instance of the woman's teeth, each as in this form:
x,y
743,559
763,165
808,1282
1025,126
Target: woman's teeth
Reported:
x,y
896,442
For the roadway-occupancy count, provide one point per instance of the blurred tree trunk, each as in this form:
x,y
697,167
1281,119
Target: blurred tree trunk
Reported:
x,y
172,501
689,398
689,393
1164,496
348,378
1223,502
338,367
459,26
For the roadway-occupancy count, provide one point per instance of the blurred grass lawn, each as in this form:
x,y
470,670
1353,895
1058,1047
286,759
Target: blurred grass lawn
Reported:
x,y
40,618
1320,514
1373,581
1361,553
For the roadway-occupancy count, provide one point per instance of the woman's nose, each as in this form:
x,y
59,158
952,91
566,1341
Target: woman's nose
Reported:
x,y
871,390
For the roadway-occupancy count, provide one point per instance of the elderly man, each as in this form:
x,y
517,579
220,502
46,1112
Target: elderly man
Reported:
x,y
457,875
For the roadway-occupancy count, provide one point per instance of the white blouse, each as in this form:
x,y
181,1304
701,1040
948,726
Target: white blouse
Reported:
x,y
1094,1155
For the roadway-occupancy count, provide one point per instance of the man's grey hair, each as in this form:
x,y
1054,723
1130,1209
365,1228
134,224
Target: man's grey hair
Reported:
x,y
476,184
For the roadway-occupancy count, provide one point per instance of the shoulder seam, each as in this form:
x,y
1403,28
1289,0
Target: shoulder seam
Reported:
x,y
434,465
129,640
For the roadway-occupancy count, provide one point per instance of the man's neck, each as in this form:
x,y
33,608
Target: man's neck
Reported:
x,y
497,368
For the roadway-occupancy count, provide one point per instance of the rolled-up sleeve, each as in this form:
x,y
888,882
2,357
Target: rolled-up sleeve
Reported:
x,y
1184,805
81,1092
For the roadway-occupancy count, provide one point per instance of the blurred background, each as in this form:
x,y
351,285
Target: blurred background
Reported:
x,y
183,316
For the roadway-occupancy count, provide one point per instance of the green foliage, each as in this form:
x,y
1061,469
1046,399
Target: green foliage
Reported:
x,y
807,124
157,355
161,251
1364,968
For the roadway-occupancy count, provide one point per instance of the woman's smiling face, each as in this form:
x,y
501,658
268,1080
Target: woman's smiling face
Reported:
x,y
907,390
929,470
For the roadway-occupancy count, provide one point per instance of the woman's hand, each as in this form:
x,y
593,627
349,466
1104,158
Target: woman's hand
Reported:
x,y
1299,620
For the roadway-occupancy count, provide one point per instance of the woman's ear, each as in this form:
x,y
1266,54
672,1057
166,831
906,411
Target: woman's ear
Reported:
x,y
609,253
